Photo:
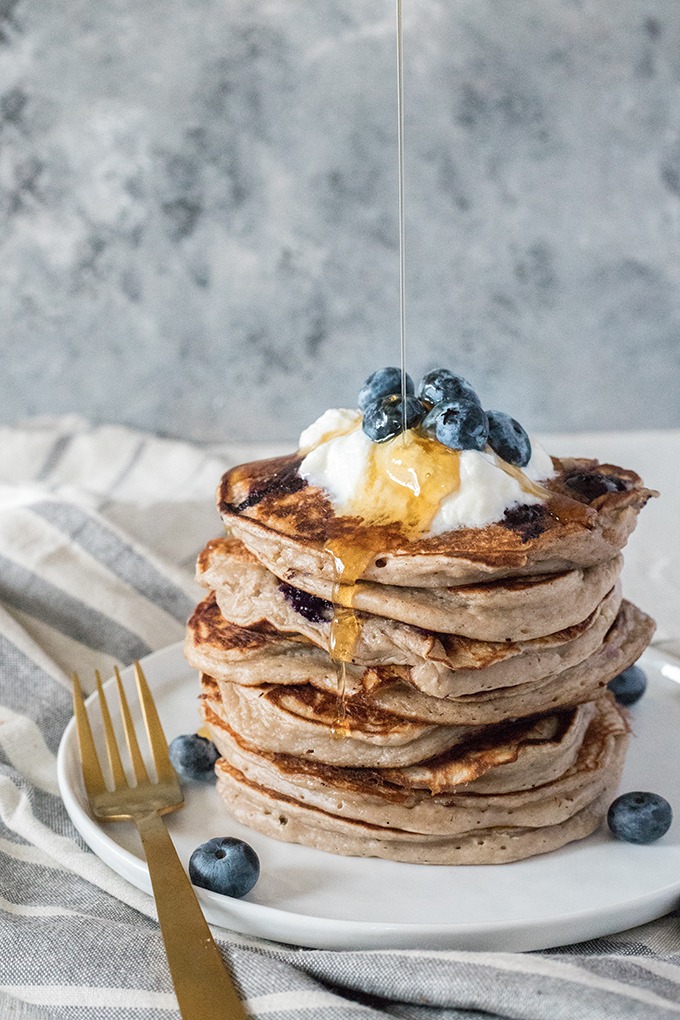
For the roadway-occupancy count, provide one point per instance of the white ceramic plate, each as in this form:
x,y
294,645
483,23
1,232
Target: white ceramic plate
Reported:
x,y
311,898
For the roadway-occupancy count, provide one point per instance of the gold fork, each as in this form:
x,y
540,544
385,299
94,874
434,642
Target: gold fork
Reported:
x,y
202,983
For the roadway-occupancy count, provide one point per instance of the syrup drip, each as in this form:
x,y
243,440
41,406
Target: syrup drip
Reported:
x,y
350,562
531,488
405,481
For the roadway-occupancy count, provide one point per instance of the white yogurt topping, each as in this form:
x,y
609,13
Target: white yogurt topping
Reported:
x,y
332,423
340,453
485,492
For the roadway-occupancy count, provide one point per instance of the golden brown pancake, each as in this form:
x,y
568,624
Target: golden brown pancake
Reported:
x,y
290,524
363,813
516,755
261,655
249,595
508,609
305,721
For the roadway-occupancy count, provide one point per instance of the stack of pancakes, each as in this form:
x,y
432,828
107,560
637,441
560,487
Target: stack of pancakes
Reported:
x,y
472,723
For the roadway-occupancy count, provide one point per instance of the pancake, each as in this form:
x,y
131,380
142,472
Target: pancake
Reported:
x,y
508,609
624,643
261,655
512,756
250,595
302,720
365,794
291,526
348,812
252,655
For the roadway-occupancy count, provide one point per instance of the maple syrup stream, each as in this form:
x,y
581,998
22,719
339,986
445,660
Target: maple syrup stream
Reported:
x,y
350,558
400,190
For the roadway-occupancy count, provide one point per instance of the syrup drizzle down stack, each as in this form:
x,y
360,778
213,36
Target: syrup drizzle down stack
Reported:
x,y
401,190
349,558
405,482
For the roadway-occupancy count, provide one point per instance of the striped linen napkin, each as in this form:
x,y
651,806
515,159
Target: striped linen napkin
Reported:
x,y
99,528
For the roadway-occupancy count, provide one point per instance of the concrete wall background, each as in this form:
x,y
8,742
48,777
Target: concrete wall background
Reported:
x,y
198,211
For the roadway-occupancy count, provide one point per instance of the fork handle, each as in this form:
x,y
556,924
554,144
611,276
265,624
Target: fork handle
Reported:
x,y
203,986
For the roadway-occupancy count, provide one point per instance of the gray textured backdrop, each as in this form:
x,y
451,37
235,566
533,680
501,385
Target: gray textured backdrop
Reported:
x,y
198,208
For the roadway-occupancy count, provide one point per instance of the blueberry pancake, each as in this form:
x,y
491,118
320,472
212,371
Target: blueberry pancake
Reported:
x,y
588,513
247,594
503,610
261,656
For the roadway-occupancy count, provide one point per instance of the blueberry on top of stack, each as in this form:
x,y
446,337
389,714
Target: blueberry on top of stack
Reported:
x,y
446,407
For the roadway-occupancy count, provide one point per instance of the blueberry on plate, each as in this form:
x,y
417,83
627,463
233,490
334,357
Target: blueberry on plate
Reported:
x,y
193,757
639,817
384,418
458,424
508,439
225,865
441,384
629,686
385,382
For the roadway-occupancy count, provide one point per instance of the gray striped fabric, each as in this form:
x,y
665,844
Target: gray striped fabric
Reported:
x,y
98,532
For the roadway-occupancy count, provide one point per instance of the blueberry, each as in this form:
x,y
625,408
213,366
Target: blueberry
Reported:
x,y
384,418
527,520
385,382
508,439
629,686
313,608
193,757
591,484
639,817
225,865
459,424
441,384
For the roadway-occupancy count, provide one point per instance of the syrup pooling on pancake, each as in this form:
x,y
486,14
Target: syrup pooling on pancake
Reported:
x,y
405,481
413,479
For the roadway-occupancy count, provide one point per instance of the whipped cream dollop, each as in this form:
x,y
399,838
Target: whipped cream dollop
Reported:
x,y
358,474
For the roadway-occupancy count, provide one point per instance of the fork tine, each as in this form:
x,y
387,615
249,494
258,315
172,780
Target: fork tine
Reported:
x,y
92,770
117,770
133,746
154,729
